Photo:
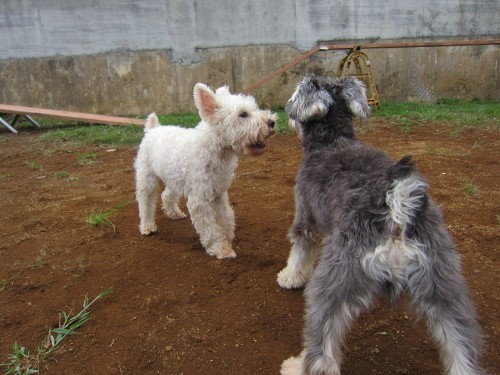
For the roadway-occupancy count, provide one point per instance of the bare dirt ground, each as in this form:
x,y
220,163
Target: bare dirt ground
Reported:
x,y
174,309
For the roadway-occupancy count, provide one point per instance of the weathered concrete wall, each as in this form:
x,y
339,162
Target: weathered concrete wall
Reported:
x,y
141,82
132,57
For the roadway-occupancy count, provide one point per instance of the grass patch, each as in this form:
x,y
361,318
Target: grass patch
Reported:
x,y
131,135
62,174
407,115
33,165
187,120
7,175
470,188
88,159
22,361
102,217
66,176
74,268
98,135
475,113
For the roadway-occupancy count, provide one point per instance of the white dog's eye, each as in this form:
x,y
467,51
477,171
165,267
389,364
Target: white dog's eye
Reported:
x,y
243,114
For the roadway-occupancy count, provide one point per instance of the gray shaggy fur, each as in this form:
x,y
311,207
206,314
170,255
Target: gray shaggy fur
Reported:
x,y
377,232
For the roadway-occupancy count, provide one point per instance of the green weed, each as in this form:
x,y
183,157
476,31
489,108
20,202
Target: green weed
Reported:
x,y
3,284
23,362
74,268
102,217
39,262
7,175
88,159
65,175
33,165
62,174
470,189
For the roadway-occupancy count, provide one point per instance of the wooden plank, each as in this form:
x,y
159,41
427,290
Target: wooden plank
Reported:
x,y
68,115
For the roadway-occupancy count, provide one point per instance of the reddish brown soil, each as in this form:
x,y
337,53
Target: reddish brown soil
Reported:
x,y
174,309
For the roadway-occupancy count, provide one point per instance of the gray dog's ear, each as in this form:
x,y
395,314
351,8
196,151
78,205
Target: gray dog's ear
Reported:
x,y
310,101
354,93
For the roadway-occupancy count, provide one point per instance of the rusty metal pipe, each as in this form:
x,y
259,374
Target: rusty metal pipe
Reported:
x,y
329,47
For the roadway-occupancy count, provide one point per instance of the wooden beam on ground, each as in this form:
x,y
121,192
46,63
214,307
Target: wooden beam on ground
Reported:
x,y
68,115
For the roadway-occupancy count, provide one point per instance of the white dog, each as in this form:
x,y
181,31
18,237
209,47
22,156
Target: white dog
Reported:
x,y
199,164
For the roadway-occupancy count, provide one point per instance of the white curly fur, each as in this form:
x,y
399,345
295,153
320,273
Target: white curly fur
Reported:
x,y
199,164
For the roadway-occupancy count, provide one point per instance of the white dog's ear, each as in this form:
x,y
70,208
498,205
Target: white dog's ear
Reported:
x,y
205,101
354,93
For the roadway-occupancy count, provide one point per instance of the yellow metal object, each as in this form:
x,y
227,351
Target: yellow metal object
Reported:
x,y
363,71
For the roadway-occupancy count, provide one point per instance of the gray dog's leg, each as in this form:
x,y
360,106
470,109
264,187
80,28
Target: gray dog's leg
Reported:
x,y
440,294
305,244
338,292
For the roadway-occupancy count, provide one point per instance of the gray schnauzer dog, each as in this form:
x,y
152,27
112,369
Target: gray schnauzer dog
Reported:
x,y
377,232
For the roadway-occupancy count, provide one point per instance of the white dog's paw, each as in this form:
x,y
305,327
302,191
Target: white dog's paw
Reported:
x,y
292,366
179,215
148,229
226,253
288,279
221,250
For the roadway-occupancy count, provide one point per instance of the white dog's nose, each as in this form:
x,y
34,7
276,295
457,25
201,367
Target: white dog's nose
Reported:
x,y
271,123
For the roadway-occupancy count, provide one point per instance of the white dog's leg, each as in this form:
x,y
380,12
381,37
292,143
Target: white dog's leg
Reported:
x,y
225,216
212,235
170,203
146,195
300,263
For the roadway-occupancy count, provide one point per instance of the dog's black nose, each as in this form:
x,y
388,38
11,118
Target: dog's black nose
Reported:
x,y
270,123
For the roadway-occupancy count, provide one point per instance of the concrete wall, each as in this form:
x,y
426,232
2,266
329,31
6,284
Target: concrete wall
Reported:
x,y
133,57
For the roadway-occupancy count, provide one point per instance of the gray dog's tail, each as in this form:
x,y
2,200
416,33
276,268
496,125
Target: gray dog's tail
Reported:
x,y
151,122
407,196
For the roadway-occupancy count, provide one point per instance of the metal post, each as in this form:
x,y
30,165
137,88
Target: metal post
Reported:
x,y
33,122
7,125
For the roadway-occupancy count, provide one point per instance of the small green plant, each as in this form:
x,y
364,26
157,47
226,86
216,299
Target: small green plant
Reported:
x,y
74,268
39,262
88,159
3,284
23,362
7,175
62,174
33,165
470,189
65,175
102,217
